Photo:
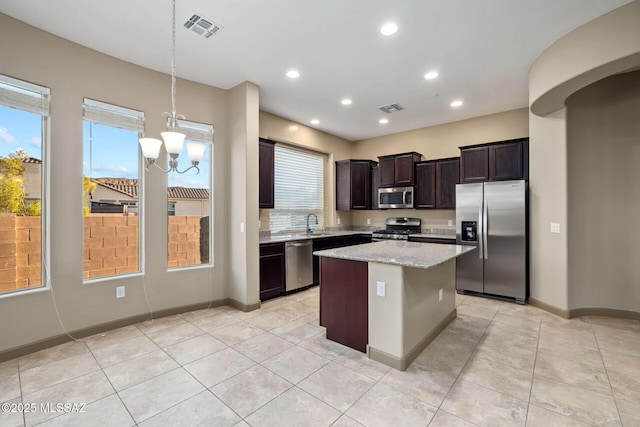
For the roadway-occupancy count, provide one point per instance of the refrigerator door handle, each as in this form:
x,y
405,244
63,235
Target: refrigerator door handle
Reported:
x,y
480,236
485,228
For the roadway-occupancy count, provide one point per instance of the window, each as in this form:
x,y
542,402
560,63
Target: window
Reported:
x,y
189,203
111,166
24,108
298,190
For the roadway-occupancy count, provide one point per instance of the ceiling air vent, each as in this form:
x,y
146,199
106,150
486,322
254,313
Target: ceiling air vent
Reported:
x,y
392,108
202,26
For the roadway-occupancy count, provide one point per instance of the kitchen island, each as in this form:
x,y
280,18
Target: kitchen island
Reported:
x,y
388,299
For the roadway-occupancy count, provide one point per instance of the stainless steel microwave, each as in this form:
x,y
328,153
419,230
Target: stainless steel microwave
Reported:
x,y
395,198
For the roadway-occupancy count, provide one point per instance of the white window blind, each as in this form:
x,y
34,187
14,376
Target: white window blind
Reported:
x,y
298,190
197,132
24,96
112,115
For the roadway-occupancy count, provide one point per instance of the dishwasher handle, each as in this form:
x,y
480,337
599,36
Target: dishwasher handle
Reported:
x,y
298,244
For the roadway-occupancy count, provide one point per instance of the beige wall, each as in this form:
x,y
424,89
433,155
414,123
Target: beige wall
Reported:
x,y
73,72
437,142
606,46
600,48
242,195
603,133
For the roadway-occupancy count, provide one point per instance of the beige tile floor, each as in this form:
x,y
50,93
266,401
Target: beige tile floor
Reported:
x,y
497,364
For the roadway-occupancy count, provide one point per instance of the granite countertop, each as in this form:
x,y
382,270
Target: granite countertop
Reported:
x,y
405,254
302,236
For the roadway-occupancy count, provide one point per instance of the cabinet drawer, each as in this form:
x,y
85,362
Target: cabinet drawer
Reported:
x,y
271,249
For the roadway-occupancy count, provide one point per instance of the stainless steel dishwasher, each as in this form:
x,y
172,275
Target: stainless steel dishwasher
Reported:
x,y
299,264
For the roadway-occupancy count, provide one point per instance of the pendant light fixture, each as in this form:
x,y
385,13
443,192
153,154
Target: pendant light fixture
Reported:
x,y
173,140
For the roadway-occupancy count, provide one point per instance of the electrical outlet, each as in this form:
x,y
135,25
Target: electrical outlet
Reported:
x,y
440,295
120,292
450,223
242,227
368,221
381,289
338,221
555,227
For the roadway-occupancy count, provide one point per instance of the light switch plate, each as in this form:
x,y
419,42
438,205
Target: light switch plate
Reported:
x,y
555,227
381,289
338,221
242,227
368,221
450,223
440,294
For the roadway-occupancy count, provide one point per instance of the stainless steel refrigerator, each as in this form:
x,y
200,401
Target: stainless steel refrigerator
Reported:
x,y
493,217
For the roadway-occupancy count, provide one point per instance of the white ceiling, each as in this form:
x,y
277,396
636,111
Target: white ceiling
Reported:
x,y
482,49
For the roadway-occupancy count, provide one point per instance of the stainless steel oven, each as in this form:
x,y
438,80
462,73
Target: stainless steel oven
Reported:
x,y
395,198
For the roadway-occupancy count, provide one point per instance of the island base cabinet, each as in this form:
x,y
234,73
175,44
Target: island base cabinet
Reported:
x,y
343,301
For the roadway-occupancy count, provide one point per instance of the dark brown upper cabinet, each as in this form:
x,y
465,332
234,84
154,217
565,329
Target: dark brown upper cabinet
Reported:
x,y
436,183
375,184
266,173
425,192
497,161
353,184
398,169
447,176
387,171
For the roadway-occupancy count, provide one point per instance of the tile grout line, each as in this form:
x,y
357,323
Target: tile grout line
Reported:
x,y
606,371
533,372
112,386
468,359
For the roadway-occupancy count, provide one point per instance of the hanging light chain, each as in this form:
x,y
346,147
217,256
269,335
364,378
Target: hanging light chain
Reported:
x,y
173,118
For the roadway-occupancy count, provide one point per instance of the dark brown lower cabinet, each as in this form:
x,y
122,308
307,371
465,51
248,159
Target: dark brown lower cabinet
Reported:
x,y
344,304
272,273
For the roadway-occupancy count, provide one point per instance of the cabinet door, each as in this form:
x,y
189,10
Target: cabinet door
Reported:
x,y
344,301
447,176
387,167
474,164
343,185
404,169
425,191
265,174
505,161
375,184
360,185
272,270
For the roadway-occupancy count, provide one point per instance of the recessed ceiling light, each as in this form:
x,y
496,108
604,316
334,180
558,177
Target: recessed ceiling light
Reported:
x,y
456,103
431,75
315,122
293,74
346,101
388,29
383,121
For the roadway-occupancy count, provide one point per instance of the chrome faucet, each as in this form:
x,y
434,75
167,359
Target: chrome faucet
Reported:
x,y
308,216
